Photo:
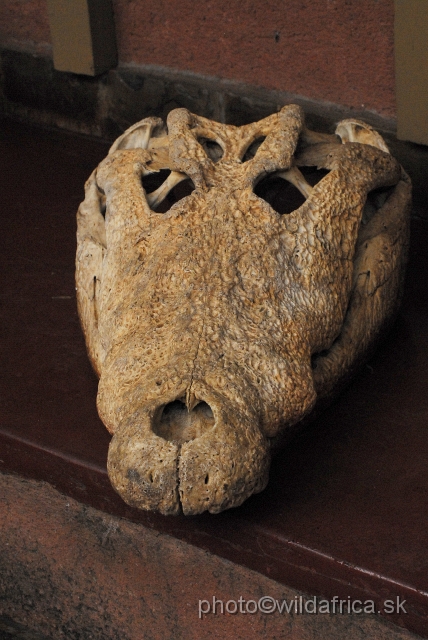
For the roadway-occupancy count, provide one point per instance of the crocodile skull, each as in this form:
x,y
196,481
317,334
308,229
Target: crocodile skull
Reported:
x,y
216,325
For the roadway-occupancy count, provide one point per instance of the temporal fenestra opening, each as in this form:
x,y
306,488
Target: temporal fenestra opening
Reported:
x,y
252,149
212,148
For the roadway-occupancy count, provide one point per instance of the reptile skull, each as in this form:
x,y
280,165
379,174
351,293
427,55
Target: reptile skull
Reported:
x,y
216,326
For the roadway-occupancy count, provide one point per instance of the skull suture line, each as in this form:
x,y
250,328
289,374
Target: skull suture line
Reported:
x,y
216,326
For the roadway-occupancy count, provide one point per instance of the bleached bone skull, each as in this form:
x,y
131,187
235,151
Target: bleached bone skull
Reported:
x,y
217,325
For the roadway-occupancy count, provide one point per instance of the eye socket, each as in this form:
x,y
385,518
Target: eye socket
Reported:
x,y
282,195
154,181
313,175
180,191
213,150
253,148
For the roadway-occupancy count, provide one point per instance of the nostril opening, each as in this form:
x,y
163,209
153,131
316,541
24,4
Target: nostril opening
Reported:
x,y
174,422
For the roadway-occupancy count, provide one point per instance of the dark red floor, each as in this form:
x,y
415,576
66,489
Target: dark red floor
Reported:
x,y
11,630
346,509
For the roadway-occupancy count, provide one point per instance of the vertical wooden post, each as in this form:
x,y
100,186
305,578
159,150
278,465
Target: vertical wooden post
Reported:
x,y
411,67
83,35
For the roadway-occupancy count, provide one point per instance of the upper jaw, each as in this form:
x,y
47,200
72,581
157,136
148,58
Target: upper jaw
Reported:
x,y
169,458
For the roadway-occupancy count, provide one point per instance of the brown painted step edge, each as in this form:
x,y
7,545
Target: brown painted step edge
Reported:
x,y
228,536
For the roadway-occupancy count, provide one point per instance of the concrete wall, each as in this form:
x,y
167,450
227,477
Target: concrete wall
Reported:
x,y
337,51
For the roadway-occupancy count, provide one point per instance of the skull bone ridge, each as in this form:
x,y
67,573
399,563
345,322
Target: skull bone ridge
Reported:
x,y
217,325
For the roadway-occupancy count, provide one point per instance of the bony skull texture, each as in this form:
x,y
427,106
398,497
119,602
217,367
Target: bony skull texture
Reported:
x,y
217,323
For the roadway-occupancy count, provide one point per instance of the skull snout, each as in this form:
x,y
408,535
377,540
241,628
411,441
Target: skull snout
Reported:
x,y
176,457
